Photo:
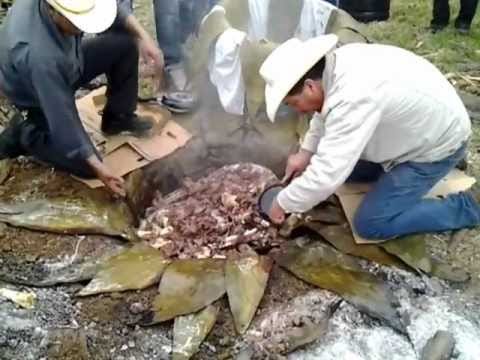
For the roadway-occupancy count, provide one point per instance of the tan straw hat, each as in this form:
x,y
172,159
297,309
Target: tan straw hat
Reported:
x,y
288,63
90,16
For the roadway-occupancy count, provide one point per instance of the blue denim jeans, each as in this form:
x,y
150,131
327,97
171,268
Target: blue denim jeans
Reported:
x,y
396,205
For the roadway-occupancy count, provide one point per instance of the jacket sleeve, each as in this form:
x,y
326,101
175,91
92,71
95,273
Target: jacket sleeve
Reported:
x,y
124,10
57,101
348,128
314,133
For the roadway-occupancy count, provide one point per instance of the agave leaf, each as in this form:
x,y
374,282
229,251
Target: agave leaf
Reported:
x,y
342,239
190,331
133,269
323,266
446,271
212,26
5,169
412,250
246,279
186,287
71,216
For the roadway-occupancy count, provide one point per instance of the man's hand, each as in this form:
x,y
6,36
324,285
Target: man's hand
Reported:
x,y
276,213
114,183
147,47
151,54
296,165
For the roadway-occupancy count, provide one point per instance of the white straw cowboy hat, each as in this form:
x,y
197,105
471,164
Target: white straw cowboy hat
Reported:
x,y
288,63
90,16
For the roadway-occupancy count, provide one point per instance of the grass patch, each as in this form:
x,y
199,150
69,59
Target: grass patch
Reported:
x,y
408,28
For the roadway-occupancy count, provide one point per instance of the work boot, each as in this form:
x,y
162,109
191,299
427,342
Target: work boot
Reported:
x,y
10,146
114,124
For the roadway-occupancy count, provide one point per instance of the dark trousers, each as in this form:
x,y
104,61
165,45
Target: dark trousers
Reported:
x,y
114,54
441,12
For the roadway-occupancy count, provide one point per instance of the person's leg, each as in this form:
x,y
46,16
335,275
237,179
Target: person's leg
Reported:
x,y
115,54
396,205
167,23
441,14
37,141
466,14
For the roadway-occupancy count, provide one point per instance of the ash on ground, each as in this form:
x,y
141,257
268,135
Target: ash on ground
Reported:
x,y
213,215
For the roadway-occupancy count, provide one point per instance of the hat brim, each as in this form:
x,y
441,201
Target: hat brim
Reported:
x,y
97,20
315,49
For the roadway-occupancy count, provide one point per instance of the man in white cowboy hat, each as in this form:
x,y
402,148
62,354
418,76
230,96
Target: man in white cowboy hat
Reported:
x,y
380,113
43,60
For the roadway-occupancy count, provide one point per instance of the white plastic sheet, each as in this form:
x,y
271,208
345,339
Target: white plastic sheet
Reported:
x,y
226,71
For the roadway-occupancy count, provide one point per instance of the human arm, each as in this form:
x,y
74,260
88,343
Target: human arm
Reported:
x,y
348,128
66,132
149,51
298,162
114,183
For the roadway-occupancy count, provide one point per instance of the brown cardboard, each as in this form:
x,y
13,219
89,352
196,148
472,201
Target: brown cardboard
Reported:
x,y
172,136
121,161
123,154
351,195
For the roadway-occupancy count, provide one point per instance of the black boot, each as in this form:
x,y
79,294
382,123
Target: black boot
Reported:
x,y
10,146
465,16
114,124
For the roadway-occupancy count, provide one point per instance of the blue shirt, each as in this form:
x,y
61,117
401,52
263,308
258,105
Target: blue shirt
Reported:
x,y
40,67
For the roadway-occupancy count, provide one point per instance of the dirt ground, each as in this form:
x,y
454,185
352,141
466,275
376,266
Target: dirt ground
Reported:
x,y
103,324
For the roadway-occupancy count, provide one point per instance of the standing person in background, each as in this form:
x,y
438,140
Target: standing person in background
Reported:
x,y
175,20
441,15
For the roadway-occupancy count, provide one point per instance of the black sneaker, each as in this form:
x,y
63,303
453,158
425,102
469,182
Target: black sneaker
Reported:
x,y
10,146
113,124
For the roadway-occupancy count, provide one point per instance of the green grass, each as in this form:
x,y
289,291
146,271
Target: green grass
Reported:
x,y
407,28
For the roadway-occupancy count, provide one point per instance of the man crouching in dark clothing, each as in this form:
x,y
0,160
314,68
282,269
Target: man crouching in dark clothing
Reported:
x,y
43,60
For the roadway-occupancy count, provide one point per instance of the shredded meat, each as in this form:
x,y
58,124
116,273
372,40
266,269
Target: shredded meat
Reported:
x,y
211,216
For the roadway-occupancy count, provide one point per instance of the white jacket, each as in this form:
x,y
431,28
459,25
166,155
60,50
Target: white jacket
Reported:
x,y
382,104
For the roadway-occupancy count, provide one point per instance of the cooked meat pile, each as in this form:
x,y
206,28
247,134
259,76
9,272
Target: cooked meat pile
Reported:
x,y
211,216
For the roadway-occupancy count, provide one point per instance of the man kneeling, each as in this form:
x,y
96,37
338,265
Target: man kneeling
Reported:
x,y
43,60
381,114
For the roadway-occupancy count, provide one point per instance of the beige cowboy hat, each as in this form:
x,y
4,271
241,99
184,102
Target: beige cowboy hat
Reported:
x,y
90,16
288,63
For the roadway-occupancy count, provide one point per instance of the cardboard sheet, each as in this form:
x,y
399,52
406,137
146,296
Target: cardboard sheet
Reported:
x,y
351,195
124,153
121,161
